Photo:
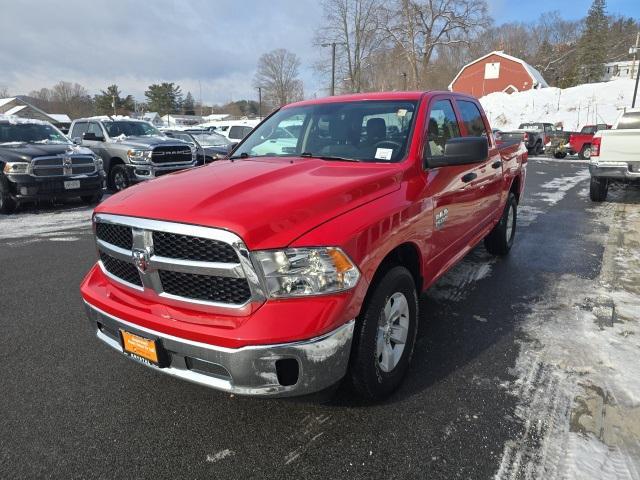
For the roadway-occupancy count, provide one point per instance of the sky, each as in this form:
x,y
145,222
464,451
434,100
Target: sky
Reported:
x,y
208,46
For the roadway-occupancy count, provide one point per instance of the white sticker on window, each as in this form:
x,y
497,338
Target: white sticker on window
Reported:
x,y
384,153
402,112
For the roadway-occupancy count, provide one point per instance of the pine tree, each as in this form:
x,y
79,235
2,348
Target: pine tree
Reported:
x,y
164,98
188,106
592,46
110,100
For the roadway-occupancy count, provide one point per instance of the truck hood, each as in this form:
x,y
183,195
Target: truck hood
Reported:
x,y
269,202
144,142
26,151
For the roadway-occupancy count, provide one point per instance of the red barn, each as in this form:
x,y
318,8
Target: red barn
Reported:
x,y
496,72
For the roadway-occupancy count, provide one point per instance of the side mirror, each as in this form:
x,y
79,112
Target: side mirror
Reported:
x,y
461,151
76,141
92,137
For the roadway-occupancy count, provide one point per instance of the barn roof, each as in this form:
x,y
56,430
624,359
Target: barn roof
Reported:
x,y
536,76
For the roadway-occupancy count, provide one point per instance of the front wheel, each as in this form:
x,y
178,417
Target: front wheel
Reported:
x,y
598,189
385,335
7,204
539,149
500,239
118,178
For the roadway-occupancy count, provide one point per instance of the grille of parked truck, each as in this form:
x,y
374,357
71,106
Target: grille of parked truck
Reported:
x,y
37,162
296,263
132,150
614,155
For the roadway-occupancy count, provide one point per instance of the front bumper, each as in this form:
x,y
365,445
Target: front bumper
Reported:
x,y
261,370
27,187
615,170
141,172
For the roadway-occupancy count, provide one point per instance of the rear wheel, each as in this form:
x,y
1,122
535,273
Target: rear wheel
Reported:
x,y
385,335
560,154
598,189
500,239
585,153
538,149
118,178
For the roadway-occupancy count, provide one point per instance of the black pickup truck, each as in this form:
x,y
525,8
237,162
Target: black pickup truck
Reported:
x,y
535,136
37,162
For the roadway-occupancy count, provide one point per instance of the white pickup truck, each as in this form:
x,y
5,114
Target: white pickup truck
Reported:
x,y
615,155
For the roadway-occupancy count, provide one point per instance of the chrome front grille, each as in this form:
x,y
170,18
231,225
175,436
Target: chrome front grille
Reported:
x,y
177,262
62,165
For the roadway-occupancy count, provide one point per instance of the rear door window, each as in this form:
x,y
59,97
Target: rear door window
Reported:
x,y
472,119
95,129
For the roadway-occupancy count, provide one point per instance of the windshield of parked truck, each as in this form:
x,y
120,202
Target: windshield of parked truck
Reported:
x,y
210,139
531,126
630,120
367,131
130,129
30,133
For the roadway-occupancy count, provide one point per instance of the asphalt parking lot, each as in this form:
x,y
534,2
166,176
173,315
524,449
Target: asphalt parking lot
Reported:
x,y
72,408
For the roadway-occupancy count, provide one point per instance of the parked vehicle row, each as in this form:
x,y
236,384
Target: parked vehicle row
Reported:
x,y
278,272
38,162
614,155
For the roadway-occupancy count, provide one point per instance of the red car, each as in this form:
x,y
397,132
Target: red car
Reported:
x,y
580,143
279,273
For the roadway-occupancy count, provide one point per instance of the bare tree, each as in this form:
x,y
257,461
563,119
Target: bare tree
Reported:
x,y
64,97
354,26
4,91
418,28
277,75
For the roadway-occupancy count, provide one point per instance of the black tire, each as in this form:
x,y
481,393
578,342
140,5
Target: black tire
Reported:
x,y
118,178
585,152
560,155
91,199
367,376
500,239
7,204
598,189
538,150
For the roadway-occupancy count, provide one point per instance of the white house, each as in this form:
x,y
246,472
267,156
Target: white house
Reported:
x,y
616,70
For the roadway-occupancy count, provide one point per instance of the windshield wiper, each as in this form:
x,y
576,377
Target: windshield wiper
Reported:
x,y
328,157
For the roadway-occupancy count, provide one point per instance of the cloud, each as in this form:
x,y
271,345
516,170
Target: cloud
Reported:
x,y
199,42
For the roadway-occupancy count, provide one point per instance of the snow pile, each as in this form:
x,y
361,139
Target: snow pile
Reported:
x,y
14,120
573,107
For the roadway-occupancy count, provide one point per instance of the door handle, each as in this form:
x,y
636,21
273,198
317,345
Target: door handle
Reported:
x,y
469,176
496,164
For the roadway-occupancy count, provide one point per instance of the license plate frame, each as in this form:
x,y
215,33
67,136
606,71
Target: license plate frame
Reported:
x,y
71,184
143,349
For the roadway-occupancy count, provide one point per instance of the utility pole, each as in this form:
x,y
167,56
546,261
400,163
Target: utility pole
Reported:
x,y
260,103
333,64
113,104
635,53
404,77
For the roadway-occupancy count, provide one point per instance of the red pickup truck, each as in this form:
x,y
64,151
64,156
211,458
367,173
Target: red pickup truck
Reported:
x,y
580,143
278,273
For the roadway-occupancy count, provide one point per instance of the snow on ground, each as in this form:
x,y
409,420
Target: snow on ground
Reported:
x,y
574,107
578,382
45,224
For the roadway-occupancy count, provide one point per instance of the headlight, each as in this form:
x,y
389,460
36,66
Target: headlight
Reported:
x,y
139,156
16,167
99,163
297,272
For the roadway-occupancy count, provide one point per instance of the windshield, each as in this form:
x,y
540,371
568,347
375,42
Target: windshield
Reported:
x,y
629,121
210,139
31,133
368,131
530,126
130,129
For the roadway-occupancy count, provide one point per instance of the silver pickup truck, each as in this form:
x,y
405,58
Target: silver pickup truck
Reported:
x,y
614,155
132,150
